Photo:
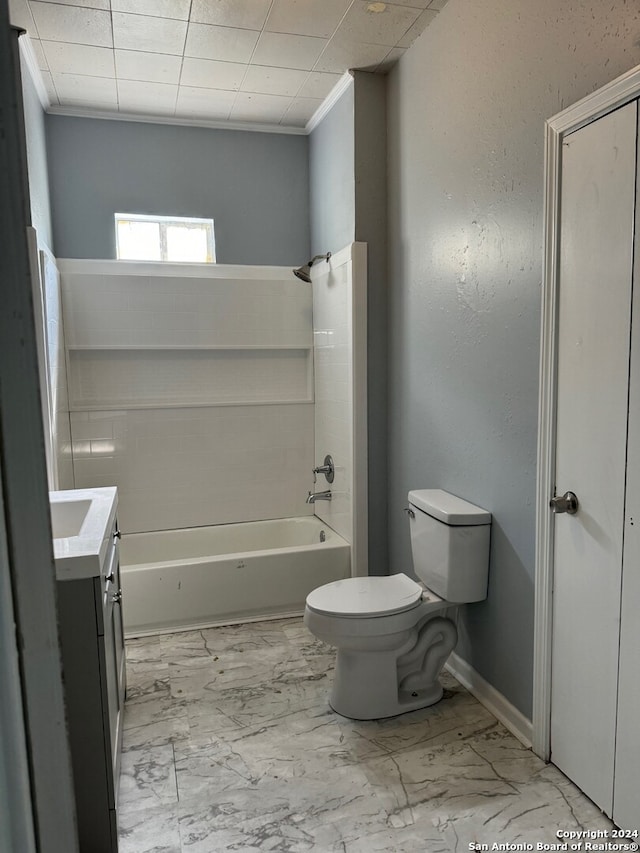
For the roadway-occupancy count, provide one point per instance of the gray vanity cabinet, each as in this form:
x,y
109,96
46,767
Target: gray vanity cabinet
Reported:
x,y
94,679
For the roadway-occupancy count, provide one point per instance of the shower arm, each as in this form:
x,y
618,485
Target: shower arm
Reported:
x,y
319,258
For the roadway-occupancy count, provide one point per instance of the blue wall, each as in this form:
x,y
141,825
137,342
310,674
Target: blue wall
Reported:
x,y
254,185
332,178
348,175
34,121
467,105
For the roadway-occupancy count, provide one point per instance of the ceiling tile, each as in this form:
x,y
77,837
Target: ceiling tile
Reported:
x,y
38,52
178,9
306,19
414,31
142,32
384,27
340,54
391,58
265,80
287,51
72,24
318,84
150,67
252,107
210,74
213,104
79,58
134,96
222,43
47,79
246,14
269,61
20,16
301,111
87,91
85,4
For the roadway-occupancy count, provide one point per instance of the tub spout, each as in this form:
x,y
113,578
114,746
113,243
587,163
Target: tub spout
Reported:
x,y
318,496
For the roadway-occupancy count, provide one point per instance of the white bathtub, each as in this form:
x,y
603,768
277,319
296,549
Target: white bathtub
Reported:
x,y
181,579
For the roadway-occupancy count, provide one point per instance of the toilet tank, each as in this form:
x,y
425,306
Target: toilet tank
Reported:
x,y
450,545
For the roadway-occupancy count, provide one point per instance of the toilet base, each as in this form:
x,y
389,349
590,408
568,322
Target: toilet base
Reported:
x,y
373,685
412,702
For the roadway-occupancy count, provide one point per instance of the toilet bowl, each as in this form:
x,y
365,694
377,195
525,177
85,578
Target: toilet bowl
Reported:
x,y
393,634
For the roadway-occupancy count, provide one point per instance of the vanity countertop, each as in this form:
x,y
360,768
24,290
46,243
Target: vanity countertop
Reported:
x,y
82,522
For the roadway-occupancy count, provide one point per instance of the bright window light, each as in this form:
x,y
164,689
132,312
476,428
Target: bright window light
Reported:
x,y
164,238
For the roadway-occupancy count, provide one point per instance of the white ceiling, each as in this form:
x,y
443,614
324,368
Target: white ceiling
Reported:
x,y
267,62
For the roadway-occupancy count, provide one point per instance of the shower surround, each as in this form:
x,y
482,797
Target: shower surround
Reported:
x,y
192,389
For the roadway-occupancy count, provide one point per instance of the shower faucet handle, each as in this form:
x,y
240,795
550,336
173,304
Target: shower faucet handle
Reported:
x,y
327,468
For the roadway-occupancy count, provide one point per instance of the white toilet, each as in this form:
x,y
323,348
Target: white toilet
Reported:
x,y
392,634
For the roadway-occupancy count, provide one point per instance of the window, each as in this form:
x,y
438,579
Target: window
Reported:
x,y
164,238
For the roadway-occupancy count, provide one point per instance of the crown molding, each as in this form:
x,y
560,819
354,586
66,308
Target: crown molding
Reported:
x,y
112,115
330,101
31,63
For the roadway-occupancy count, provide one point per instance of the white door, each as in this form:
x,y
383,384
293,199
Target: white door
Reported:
x,y
594,324
626,797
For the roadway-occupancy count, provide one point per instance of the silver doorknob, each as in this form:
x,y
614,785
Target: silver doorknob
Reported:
x,y
566,503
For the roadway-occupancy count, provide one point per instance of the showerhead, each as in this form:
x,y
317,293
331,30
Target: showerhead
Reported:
x,y
304,272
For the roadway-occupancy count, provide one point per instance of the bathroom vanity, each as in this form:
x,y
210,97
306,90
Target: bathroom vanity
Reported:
x,y
86,552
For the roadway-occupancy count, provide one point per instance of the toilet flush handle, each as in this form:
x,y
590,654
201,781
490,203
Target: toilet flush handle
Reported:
x,y
409,512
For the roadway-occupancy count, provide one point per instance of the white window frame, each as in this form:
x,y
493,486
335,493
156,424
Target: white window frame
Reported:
x,y
164,222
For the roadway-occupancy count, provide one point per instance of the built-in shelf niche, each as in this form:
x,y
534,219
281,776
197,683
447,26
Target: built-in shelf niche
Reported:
x,y
108,378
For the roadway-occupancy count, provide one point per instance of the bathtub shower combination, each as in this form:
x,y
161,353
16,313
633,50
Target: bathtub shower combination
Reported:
x,y
205,576
208,402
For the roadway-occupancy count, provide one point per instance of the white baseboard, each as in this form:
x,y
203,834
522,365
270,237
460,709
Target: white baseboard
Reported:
x,y
492,700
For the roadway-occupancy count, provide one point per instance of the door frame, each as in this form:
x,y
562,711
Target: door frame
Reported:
x,y
616,94
42,816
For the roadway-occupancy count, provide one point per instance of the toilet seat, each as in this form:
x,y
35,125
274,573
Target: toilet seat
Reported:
x,y
366,597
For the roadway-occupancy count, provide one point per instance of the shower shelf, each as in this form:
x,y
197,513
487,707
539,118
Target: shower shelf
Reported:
x,y
130,406
181,347
153,377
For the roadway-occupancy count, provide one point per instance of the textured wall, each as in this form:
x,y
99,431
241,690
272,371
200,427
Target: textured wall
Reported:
x,y
370,123
332,179
254,185
34,122
347,165
467,105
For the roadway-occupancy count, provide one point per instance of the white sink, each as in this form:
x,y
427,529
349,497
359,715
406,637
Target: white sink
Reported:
x,y
67,518
82,522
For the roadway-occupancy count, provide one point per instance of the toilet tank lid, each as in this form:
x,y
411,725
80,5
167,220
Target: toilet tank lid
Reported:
x,y
448,508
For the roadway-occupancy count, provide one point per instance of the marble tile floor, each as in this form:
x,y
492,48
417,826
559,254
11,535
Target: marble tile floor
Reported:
x,y
230,745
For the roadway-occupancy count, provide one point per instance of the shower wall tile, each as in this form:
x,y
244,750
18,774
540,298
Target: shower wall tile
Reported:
x,y
57,372
158,363
114,310
333,396
190,467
